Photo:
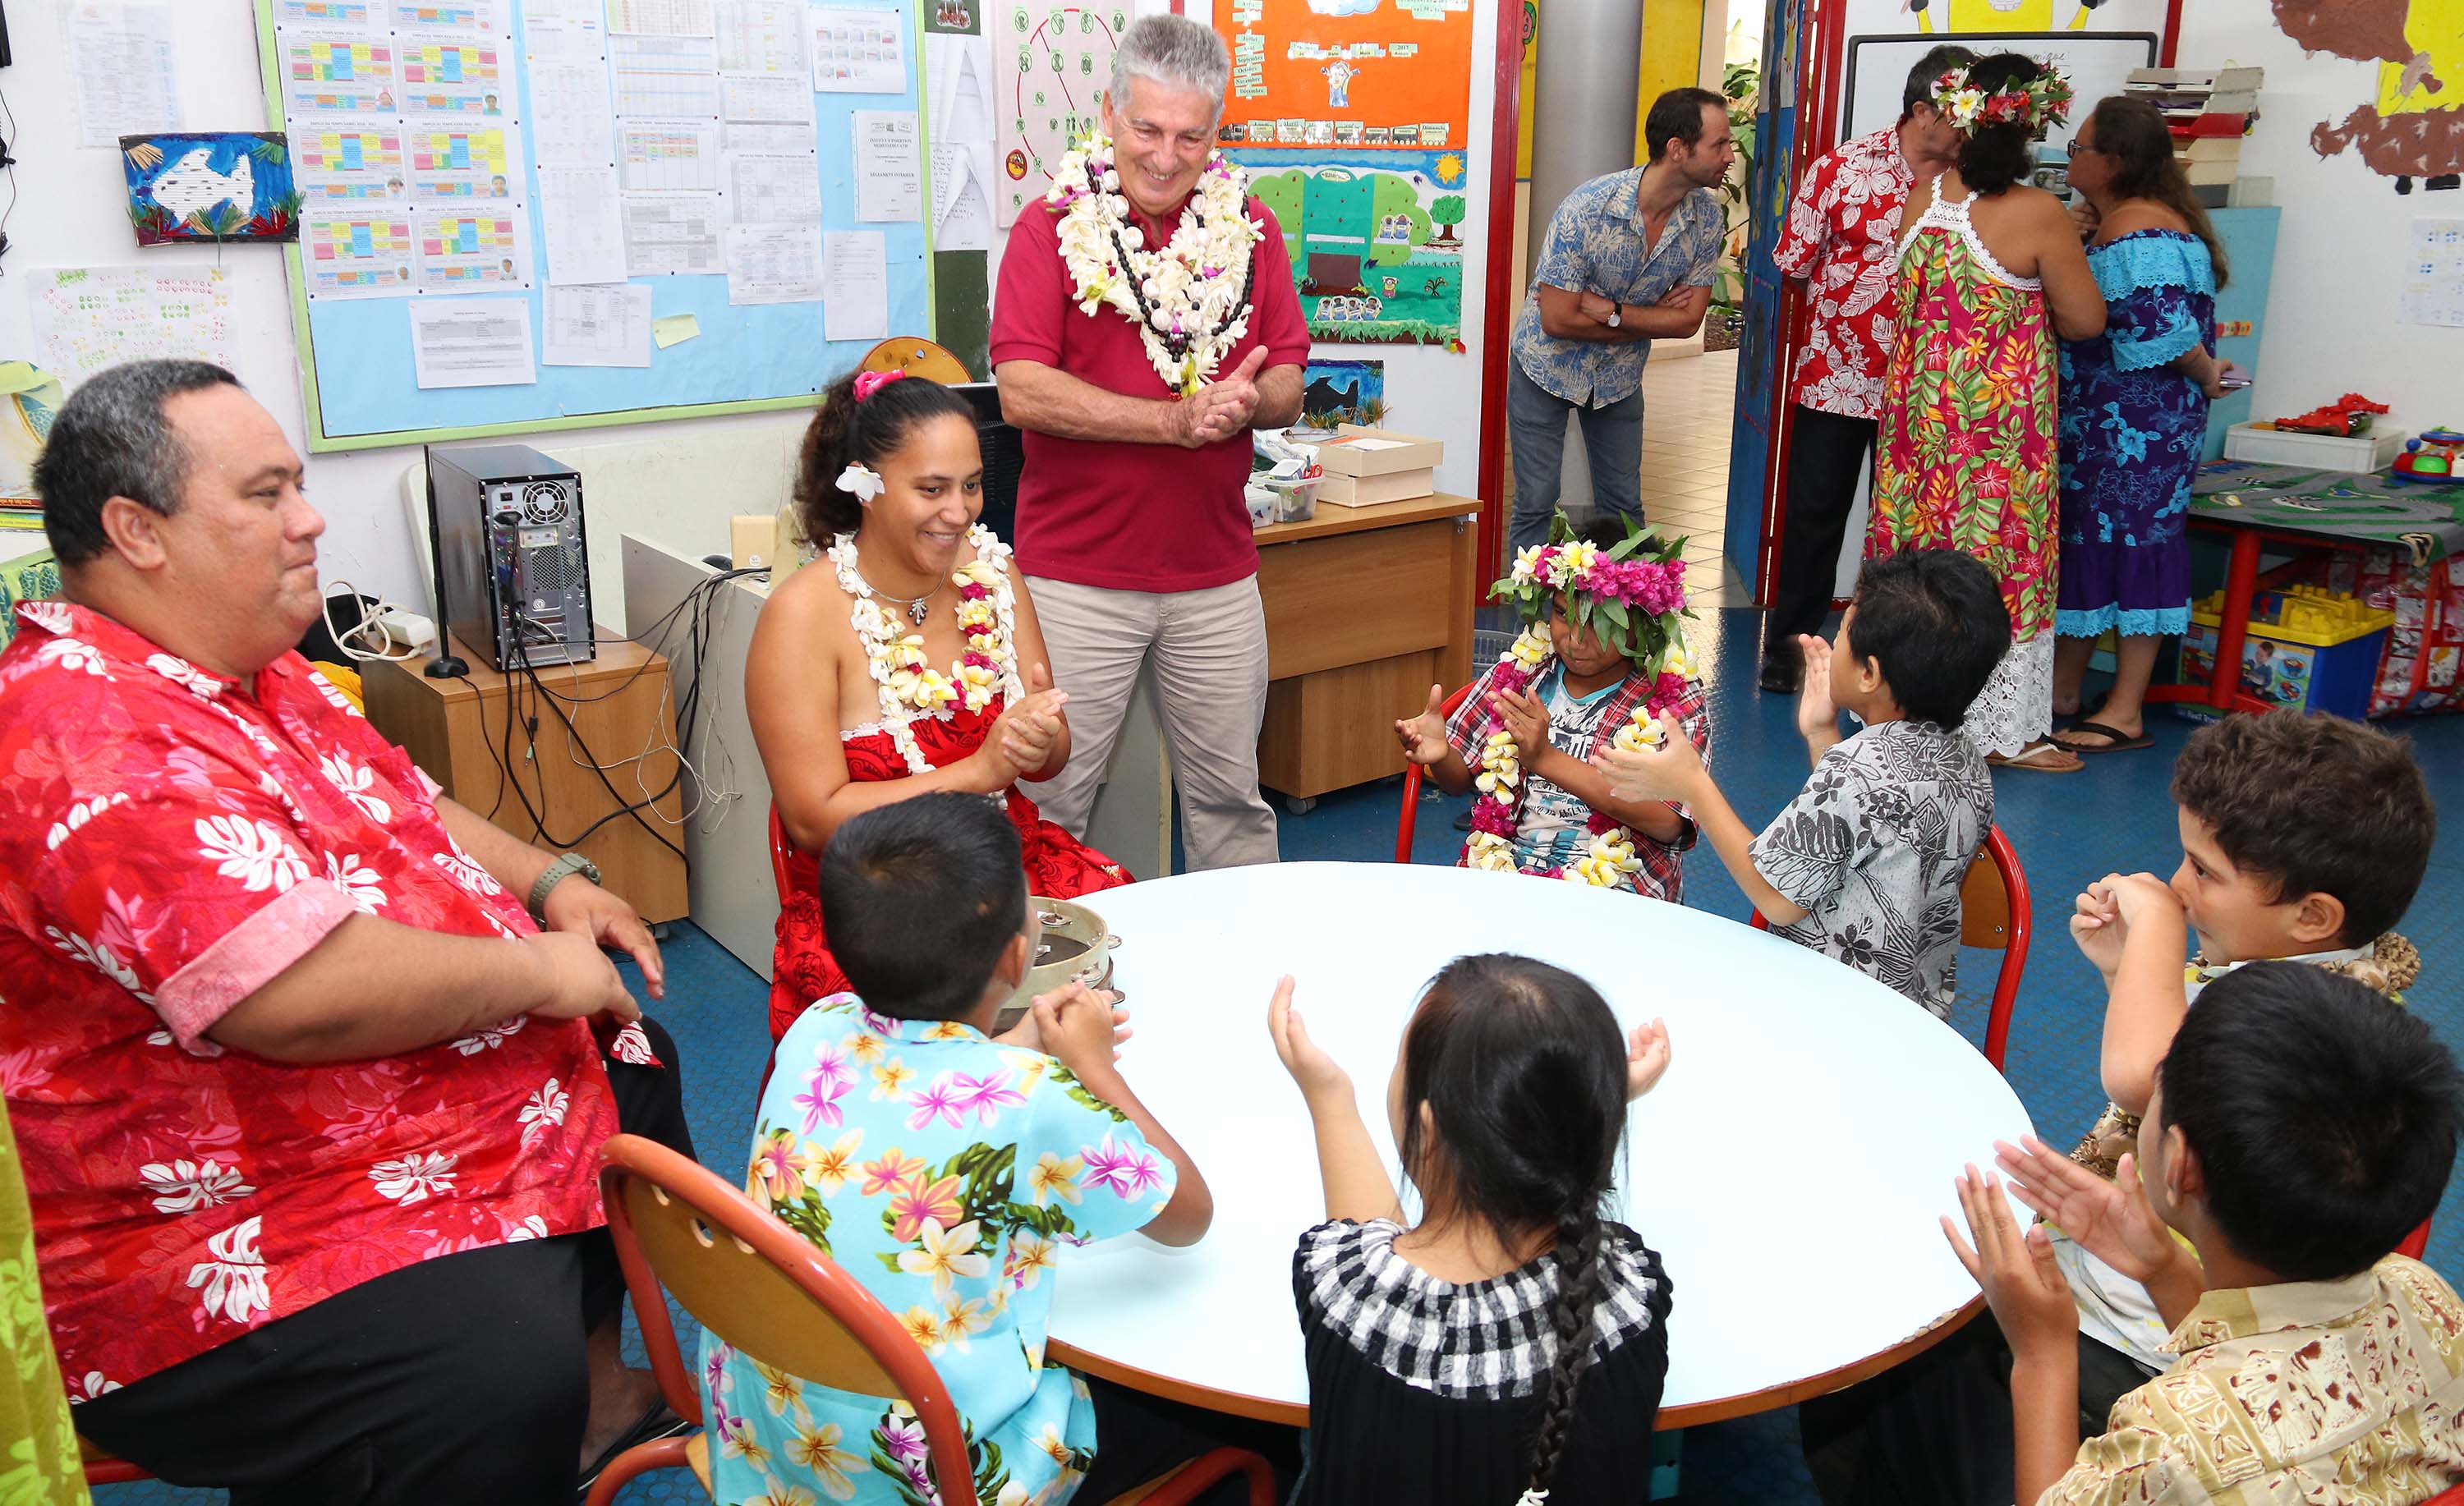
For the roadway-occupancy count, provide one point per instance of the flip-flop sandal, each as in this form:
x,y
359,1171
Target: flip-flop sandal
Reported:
x,y
2033,759
659,1421
2119,741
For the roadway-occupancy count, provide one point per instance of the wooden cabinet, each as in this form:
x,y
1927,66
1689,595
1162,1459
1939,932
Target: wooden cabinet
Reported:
x,y
1366,608
494,746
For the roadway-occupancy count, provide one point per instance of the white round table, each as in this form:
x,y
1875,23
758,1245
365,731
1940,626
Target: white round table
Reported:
x,y
1789,1169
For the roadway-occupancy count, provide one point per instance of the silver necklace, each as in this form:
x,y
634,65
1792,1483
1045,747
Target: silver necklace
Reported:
x,y
918,607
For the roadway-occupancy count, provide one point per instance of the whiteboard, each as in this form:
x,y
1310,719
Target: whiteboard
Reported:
x,y
2096,62
359,385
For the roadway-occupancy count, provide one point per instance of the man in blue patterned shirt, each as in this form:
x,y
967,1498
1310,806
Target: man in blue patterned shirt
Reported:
x,y
1628,260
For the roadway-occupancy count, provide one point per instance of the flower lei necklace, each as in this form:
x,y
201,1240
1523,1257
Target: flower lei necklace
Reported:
x,y
1634,606
910,686
2042,101
1190,300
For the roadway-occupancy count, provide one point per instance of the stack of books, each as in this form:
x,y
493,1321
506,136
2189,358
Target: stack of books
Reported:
x,y
2209,111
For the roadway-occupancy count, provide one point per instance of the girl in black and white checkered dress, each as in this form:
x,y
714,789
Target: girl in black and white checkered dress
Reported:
x,y
1510,1346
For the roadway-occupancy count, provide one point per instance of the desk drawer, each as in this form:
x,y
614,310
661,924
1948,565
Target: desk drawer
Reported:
x,y
1355,598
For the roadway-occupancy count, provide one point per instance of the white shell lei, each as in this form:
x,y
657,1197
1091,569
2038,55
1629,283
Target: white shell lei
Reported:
x,y
910,686
1192,285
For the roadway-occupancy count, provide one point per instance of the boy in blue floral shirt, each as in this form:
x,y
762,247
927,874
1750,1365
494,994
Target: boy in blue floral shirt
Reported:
x,y
943,1168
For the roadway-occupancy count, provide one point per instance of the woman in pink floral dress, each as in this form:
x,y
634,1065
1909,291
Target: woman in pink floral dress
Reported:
x,y
1966,457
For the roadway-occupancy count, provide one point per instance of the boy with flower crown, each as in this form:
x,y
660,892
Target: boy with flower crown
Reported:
x,y
1610,665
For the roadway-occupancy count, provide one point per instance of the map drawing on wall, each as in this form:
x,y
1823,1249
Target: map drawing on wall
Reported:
x,y
1353,74
2007,15
2415,126
1377,240
1051,65
211,186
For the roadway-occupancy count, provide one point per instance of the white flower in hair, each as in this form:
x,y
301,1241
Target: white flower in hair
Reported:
x,y
861,480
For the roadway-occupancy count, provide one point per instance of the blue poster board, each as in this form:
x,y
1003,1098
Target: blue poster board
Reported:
x,y
355,354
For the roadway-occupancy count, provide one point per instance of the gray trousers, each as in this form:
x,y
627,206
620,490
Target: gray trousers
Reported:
x,y
1612,439
1210,659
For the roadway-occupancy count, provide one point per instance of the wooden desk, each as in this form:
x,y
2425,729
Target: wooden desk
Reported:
x,y
456,730
1366,608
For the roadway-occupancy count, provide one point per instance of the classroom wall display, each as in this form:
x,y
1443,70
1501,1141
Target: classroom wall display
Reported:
x,y
1339,392
511,209
1051,64
1358,75
211,186
1377,240
2414,127
1943,18
89,319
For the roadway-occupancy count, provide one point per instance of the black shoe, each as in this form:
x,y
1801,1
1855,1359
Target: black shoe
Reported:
x,y
1783,669
1463,822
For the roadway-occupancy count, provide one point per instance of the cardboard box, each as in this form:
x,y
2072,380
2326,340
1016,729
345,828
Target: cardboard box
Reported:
x,y
1394,485
752,540
1361,453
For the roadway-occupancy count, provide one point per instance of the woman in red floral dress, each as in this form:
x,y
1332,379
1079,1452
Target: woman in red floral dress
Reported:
x,y
913,663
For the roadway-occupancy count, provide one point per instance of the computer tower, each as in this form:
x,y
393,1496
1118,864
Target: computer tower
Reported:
x,y
513,567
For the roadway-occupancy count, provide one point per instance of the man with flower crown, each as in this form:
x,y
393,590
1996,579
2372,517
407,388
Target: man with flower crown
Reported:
x,y
1603,656
1146,321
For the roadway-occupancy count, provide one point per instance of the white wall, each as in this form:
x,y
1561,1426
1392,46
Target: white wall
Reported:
x,y
2332,325
72,211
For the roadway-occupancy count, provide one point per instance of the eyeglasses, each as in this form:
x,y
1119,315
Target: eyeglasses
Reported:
x,y
2074,146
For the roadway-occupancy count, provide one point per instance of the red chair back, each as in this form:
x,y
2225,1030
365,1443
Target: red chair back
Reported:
x,y
1411,785
1994,912
763,1289
2415,1245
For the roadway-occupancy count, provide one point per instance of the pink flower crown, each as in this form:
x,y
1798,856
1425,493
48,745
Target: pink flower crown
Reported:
x,y
1631,595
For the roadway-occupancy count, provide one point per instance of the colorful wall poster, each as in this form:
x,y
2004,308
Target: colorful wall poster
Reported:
x,y
1356,74
452,162
1377,240
451,78
472,250
358,252
337,72
1338,392
2414,127
88,320
346,161
211,186
1051,65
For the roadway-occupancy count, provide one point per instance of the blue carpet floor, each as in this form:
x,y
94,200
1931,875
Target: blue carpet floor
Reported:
x,y
2069,831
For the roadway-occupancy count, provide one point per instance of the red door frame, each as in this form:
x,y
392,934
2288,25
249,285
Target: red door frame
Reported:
x,y
1497,313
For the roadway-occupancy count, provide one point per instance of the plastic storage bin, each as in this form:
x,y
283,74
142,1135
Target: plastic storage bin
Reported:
x,y
2374,450
2308,649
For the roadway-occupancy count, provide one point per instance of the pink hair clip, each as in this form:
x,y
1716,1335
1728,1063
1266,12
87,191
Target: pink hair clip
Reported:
x,y
869,382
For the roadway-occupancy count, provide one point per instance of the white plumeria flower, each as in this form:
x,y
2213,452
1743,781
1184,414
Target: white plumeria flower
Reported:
x,y
256,853
414,1178
1527,565
231,1285
182,1186
861,480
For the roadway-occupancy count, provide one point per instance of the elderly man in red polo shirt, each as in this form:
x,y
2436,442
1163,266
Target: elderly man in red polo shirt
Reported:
x,y
308,1100
1137,392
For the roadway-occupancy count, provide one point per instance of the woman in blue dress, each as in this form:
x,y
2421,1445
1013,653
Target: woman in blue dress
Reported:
x,y
2134,413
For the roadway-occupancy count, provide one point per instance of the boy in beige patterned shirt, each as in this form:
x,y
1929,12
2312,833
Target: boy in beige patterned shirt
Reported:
x,y
2300,1126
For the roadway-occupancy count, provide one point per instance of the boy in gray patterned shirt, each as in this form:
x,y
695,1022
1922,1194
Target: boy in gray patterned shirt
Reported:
x,y
1865,863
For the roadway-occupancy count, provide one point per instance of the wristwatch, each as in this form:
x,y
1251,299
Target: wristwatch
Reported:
x,y
1617,315
554,874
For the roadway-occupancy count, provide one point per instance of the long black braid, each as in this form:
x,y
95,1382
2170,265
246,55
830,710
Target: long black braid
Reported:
x,y
1582,1275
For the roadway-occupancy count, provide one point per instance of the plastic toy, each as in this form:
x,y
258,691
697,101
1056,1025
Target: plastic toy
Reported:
x,y
2435,458
2346,417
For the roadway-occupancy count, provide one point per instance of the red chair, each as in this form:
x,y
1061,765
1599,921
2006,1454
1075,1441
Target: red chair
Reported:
x,y
2453,1496
2412,1248
764,1289
1994,911
104,1469
1411,785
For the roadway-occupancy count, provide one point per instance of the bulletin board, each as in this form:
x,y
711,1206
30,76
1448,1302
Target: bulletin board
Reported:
x,y
2096,63
489,85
